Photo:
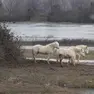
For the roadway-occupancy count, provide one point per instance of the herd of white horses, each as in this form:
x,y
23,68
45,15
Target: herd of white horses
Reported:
x,y
72,53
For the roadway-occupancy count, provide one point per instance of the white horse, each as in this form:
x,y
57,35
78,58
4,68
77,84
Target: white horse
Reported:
x,y
78,51
81,50
84,50
46,50
66,53
72,53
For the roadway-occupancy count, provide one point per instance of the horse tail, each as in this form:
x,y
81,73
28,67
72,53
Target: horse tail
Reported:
x,y
32,52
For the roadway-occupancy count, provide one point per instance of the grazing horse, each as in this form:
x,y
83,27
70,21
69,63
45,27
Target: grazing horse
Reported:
x,y
46,50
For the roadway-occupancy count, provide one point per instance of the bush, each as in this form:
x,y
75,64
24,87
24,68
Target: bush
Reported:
x,y
9,45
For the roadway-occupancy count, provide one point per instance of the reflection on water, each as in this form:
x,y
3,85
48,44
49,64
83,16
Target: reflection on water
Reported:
x,y
61,30
83,91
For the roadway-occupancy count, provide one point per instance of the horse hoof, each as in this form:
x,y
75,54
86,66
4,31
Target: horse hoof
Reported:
x,y
35,62
52,68
61,66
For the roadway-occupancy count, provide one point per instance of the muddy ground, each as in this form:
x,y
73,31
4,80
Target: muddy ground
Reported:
x,y
40,78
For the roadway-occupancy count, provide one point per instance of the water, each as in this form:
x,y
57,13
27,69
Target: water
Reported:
x,y
60,30
83,91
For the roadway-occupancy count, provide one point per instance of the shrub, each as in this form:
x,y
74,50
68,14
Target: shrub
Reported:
x,y
9,45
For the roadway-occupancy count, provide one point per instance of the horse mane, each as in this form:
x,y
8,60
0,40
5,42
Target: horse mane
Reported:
x,y
50,44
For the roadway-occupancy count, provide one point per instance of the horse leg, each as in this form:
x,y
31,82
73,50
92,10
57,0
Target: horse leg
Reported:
x,y
78,58
72,61
60,57
48,59
69,62
57,60
34,59
49,62
61,63
33,56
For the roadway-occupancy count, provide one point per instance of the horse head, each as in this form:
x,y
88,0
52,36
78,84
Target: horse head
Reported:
x,y
82,52
55,44
86,50
84,47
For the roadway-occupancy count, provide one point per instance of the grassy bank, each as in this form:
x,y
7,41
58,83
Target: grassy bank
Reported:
x,y
62,42
89,56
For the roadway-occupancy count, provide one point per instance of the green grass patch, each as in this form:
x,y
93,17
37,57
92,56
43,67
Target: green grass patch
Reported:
x,y
89,56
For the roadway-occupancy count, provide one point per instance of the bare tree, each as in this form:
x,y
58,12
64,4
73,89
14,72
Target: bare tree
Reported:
x,y
10,6
37,9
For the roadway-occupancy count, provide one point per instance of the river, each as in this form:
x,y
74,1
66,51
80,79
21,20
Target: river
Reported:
x,y
82,91
60,30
